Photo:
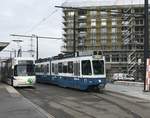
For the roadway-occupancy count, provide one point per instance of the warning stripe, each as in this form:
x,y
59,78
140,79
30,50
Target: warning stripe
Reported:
x,y
147,81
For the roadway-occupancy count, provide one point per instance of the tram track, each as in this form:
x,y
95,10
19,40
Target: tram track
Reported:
x,y
129,99
127,110
75,104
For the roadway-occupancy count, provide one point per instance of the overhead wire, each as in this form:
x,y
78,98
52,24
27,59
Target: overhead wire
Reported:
x,y
40,22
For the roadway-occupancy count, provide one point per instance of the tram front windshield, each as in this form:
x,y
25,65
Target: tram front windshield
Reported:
x,y
24,70
98,67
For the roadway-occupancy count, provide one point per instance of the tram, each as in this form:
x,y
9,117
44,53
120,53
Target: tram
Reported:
x,y
81,72
18,72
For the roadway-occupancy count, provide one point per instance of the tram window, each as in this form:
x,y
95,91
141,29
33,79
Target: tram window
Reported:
x,y
86,67
42,68
30,70
24,70
60,67
56,69
52,68
46,68
98,67
15,70
76,69
65,68
37,69
70,67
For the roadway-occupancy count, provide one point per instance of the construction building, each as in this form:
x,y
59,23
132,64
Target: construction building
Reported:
x,y
117,30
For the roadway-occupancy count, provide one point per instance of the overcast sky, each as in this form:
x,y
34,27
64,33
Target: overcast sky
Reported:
x,y
22,17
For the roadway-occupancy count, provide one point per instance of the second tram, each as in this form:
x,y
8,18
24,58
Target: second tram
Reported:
x,y
19,71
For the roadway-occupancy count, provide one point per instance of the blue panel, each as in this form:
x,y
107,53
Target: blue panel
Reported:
x,y
71,82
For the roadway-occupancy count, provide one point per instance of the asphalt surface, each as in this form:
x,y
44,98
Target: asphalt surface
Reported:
x,y
133,89
70,103
14,105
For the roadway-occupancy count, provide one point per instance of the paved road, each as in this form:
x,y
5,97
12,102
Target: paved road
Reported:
x,y
69,103
14,105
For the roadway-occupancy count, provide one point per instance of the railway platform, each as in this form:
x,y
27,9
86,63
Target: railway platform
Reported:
x,y
133,89
14,105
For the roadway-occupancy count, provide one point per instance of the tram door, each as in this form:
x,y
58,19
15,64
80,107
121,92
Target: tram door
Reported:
x,y
76,66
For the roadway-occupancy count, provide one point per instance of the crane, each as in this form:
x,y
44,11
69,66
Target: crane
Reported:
x,y
37,38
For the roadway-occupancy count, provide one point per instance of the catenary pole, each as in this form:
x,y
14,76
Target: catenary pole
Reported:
x,y
37,40
37,48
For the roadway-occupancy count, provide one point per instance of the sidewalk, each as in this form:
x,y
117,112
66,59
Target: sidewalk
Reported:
x,y
14,105
129,88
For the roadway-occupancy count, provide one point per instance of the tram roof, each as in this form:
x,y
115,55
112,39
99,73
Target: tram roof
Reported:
x,y
3,45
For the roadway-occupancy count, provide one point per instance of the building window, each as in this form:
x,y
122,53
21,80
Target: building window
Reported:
x,y
104,37
93,13
103,22
114,22
70,23
102,13
93,22
82,12
93,36
81,42
115,58
114,12
114,30
93,30
114,37
93,42
82,24
114,41
103,41
107,58
103,30
139,30
139,22
71,13
123,58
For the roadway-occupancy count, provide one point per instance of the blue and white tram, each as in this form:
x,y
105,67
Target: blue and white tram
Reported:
x,y
19,71
85,72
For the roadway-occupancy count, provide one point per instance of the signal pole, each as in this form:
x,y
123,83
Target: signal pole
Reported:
x,y
146,40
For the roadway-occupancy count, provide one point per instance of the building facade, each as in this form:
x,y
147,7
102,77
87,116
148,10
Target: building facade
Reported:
x,y
116,30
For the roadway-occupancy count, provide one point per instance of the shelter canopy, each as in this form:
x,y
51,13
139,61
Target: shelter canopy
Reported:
x,y
3,45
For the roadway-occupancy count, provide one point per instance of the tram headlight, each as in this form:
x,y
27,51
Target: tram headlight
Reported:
x,y
99,81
